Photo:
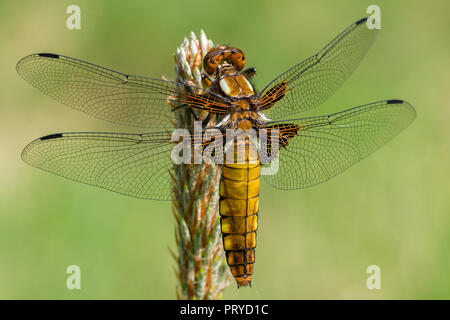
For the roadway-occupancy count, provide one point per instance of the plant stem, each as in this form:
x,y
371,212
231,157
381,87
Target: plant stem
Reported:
x,y
202,271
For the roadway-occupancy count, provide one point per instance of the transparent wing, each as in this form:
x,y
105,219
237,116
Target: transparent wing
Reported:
x,y
110,95
312,81
322,147
137,165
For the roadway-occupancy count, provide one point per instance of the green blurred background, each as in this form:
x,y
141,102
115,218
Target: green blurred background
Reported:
x,y
391,210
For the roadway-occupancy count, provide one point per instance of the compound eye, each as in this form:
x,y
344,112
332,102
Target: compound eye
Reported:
x,y
238,60
211,64
210,68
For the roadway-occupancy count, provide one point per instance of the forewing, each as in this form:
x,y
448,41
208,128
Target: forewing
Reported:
x,y
312,81
111,95
133,164
327,145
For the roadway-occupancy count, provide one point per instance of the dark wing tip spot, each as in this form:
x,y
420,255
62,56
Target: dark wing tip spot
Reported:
x,y
49,55
360,21
394,101
52,136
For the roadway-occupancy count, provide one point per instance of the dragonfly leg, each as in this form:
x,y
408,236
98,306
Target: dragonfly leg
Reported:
x,y
248,73
206,81
206,120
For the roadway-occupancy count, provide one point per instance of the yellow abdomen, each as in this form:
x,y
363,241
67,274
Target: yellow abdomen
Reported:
x,y
239,201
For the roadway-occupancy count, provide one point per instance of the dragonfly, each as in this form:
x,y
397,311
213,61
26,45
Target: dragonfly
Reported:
x,y
311,149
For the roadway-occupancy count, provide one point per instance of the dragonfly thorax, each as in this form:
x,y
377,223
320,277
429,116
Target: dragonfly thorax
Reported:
x,y
243,118
236,86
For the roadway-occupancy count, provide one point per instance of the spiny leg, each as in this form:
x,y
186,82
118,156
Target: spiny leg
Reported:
x,y
248,73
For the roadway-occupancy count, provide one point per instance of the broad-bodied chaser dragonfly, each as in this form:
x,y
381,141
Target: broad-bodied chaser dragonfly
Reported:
x,y
311,150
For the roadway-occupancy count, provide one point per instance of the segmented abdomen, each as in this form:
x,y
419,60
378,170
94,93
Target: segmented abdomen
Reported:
x,y
239,201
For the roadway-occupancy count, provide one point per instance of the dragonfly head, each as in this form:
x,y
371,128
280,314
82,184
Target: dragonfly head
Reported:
x,y
215,57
